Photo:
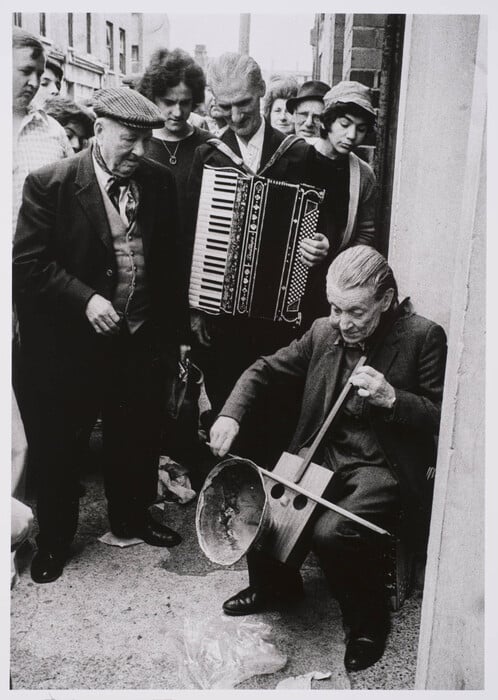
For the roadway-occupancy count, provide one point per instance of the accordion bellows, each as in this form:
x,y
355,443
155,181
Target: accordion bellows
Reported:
x,y
246,259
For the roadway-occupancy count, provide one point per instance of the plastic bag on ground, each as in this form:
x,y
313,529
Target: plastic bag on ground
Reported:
x,y
173,482
220,652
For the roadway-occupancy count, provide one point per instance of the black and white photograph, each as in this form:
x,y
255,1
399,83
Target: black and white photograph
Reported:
x,y
245,348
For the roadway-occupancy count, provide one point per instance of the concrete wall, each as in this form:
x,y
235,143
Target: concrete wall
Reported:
x,y
431,157
437,249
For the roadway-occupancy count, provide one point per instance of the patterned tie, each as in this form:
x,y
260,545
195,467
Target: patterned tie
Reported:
x,y
132,198
114,185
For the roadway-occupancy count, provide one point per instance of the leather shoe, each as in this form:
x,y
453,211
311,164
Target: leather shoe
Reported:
x,y
362,652
246,602
251,600
151,532
47,566
158,535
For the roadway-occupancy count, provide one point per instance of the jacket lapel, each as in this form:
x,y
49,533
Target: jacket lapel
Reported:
x,y
146,208
383,358
90,197
270,145
230,139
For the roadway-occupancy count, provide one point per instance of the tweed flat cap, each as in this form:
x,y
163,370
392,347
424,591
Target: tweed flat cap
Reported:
x,y
127,107
349,91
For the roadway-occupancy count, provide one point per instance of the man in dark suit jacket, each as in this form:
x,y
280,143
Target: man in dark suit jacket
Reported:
x,y
232,344
380,447
102,315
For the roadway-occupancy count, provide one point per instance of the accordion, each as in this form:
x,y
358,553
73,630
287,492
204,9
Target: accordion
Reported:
x,y
246,259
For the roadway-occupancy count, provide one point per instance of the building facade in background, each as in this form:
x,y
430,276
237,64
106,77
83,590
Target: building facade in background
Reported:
x,y
96,50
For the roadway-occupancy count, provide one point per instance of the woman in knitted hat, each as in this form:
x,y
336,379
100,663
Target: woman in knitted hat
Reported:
x,y
348,212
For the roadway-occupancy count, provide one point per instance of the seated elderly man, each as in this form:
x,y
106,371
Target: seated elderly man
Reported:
x,y
379,447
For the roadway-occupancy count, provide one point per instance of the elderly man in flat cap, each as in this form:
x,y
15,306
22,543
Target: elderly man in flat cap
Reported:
x,y
103,317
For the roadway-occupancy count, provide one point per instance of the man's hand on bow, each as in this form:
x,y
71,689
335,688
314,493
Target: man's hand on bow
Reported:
x,y
314,250
102,315
374,387
223,432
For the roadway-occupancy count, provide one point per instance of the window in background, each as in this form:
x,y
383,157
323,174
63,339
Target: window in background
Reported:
x,y
70,33
109,44
122,51
88,32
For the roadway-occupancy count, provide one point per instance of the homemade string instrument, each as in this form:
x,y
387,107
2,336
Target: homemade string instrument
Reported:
x,y
242,505
246,259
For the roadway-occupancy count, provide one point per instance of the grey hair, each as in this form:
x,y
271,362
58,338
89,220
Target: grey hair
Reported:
x,y
230,66
362,266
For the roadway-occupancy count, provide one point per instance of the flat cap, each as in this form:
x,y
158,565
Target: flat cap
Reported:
x,y
349,92
127,107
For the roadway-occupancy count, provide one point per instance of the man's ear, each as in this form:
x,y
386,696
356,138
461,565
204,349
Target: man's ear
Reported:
x,y
98,127
387,299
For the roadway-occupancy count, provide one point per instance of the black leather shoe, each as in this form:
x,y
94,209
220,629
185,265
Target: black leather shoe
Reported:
x,y
250,601
47,566
246,602
151,533
158,535
362,652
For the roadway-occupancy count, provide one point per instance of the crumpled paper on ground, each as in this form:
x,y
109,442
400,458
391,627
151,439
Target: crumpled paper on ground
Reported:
x,y
173,482
303,682
114,541
219,652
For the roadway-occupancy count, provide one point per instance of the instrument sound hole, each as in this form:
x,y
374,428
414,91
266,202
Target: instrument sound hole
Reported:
x,y
300,502
277,491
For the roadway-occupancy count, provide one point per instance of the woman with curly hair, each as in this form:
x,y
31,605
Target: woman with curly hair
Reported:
x,y
175,83
280,89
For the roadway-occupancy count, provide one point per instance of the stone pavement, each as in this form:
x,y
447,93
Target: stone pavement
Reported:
x,y
109,622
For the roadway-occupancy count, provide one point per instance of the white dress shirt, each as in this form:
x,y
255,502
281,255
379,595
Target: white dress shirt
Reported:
x,y
252,150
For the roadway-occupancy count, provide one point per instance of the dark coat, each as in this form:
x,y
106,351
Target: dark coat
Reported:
x,y
63,254
412,359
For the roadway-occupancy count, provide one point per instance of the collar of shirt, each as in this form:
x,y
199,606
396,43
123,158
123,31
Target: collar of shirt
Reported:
x,y
31,115
103,180
356,346
252,151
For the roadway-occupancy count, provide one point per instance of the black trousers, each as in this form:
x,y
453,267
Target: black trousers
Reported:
x,y
236,344
125,377
350,555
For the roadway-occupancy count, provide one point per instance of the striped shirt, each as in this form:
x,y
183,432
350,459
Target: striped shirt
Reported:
x,y
39,141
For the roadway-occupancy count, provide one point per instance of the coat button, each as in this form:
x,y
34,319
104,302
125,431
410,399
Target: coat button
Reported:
x,y
109,272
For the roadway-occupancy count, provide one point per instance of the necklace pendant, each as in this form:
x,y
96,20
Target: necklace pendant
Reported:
x,y
172,160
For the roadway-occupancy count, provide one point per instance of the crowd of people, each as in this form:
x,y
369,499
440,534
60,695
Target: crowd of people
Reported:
x,y
106,198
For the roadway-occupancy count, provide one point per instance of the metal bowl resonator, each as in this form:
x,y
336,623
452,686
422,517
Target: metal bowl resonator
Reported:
x,y
232,510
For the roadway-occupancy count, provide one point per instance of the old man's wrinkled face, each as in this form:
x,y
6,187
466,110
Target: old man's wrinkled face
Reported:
x,y
121,146
238,102
355,311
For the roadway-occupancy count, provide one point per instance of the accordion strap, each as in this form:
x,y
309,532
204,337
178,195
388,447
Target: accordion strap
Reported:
x,y
227,151
284,146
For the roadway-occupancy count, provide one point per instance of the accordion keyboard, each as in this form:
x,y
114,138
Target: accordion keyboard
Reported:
x,y
212,236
